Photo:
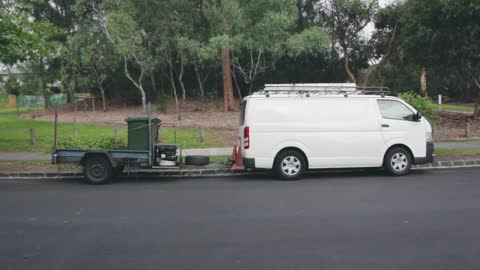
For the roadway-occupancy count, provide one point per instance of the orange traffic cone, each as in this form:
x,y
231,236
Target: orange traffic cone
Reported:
x,y
234,153
238,166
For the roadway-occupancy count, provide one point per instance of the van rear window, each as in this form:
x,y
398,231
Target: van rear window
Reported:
x,y
242,112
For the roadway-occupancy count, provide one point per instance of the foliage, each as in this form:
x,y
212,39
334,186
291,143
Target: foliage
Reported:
x,y
443,36
84,142
21,39
175,44
422,104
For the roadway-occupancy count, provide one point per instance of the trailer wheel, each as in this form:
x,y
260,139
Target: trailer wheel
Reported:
x,y
97,170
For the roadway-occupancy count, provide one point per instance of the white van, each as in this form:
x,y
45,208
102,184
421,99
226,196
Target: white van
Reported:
x,y
293,127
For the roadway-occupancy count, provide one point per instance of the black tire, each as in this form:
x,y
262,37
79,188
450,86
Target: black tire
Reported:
x,y
97,170
289,165
397,161
197,160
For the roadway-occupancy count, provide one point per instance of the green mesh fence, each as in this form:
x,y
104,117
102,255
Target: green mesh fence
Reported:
x,y
30,101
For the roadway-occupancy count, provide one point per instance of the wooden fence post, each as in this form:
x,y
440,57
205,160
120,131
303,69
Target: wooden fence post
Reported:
x,y
202,135
467,127
32,136
115,132
55,128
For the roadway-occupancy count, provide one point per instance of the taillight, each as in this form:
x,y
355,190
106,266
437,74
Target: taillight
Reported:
x,y
246,137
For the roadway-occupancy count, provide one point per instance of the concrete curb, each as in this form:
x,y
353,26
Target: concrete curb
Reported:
x,y
450,164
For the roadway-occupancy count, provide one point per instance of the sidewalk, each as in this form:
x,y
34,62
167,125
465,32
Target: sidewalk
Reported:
x,y
18,156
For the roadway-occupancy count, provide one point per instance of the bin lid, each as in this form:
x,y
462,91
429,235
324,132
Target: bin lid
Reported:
x,y
141,118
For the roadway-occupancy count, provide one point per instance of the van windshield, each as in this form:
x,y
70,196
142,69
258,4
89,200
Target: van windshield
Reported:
x,y
242,112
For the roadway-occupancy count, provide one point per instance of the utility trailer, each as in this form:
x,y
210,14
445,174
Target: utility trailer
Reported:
x,y
144,152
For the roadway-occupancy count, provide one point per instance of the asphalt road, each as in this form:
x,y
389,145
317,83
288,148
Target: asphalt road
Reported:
x,y
361,220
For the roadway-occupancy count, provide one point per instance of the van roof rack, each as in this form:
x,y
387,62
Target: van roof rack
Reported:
x,y
309,89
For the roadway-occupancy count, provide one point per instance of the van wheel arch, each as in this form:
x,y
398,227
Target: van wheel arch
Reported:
x,y
292,149
400,146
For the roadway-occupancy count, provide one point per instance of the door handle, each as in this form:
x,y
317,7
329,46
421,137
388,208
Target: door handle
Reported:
x,y
385,125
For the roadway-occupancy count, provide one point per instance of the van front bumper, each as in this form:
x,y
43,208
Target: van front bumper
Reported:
x,y
429,157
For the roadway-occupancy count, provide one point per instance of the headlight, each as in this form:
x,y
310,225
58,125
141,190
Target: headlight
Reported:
x,y
429,137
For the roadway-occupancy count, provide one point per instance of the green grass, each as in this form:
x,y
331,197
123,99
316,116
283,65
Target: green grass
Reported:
x,y
457,151
457,107
15,135
473,139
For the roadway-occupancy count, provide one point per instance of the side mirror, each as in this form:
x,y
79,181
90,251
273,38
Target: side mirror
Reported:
x,y
417,117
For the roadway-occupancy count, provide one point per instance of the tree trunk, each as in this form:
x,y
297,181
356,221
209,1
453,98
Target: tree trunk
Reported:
x,y
138,84
154,85
174,89
41,82
346,63
102,92
423,81
239,92
180,81
100,87
227,80
199,80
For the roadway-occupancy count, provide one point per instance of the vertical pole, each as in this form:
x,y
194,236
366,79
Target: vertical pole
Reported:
x,y
149,136
93,104
115,132
55,128
467,127
202,135
32,136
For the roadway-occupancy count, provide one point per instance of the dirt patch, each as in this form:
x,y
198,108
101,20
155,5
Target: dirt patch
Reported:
x,y
452,126
210,116
193,114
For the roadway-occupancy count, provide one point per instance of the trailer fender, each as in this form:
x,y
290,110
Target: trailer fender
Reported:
x,y
105,154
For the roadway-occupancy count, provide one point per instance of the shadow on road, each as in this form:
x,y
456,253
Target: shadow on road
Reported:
x,y
263,176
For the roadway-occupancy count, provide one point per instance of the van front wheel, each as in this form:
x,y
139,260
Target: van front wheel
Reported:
x,y
397,161
289,165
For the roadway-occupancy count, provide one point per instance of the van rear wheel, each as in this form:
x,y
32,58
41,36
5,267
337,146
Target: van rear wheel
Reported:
x,y
289,165
397,162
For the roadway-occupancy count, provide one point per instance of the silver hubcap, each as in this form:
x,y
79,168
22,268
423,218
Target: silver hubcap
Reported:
x,y
291,165
399,162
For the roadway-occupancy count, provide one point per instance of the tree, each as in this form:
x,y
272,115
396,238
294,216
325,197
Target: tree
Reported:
x,y
442,36
117,21
384,44
223,16
346,19
268,34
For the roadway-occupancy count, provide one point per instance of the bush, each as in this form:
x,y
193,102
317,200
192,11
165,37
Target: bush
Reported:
x,y
422,104
82,142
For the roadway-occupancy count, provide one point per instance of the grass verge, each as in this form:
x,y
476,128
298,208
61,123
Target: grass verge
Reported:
x,y
15,134
457,151
456,107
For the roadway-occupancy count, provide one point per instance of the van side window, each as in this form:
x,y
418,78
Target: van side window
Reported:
x,y
242,112
393,109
